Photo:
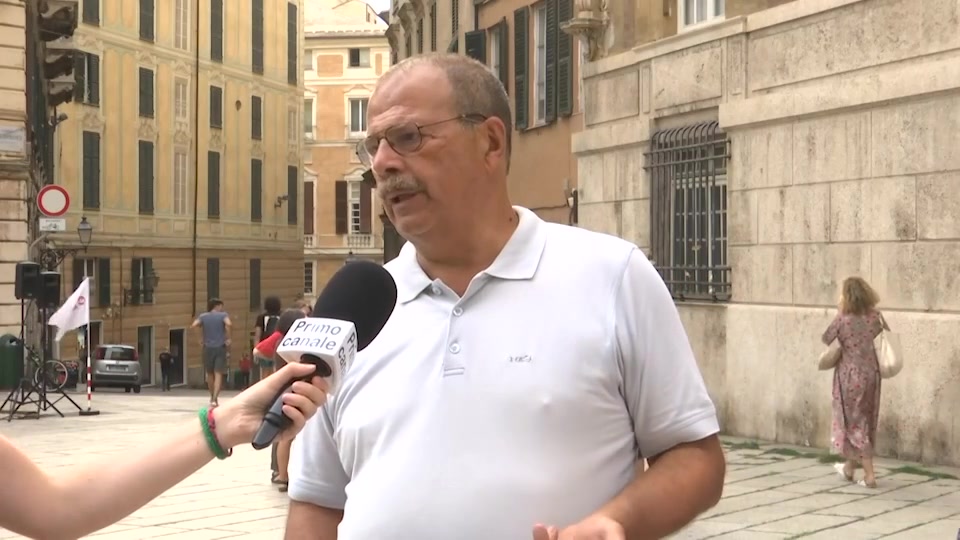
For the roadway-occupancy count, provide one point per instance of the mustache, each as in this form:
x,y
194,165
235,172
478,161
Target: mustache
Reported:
x,y
401,183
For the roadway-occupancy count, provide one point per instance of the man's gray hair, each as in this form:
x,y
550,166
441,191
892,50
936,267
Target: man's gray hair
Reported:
x,y
476,88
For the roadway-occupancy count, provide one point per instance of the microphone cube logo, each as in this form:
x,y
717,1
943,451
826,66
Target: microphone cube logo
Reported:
x,y
333,341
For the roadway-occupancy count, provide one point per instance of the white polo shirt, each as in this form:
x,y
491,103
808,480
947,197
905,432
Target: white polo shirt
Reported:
x,y
525,401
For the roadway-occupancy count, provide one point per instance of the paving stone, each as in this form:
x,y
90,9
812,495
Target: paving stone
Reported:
x,y
917,492
804,524
864,508
944,528
752,535
820,501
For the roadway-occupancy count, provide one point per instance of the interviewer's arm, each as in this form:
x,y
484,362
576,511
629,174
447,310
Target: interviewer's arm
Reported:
x,y
100,493
306,521
93,497
675,421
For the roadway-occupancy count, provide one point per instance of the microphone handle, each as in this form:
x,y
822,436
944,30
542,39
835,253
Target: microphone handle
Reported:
x,y
274,421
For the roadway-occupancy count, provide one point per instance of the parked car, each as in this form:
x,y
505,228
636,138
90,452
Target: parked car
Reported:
x,y
116,366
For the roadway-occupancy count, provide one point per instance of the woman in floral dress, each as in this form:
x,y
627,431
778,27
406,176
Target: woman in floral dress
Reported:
x,y
856,378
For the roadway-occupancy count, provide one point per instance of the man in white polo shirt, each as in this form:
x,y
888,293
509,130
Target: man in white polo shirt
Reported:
x,y
525,369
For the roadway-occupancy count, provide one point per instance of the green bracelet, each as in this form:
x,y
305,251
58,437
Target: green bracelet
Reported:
x,y
210,433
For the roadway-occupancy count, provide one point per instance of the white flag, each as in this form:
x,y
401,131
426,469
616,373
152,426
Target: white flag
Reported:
x,y
75,312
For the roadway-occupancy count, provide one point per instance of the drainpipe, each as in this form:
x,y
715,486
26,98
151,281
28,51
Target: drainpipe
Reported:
x,y
196,156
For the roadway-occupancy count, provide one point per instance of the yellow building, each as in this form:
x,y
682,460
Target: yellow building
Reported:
x,y
345,52
182,148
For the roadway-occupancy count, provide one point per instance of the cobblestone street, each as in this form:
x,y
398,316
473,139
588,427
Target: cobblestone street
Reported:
x,y
773,491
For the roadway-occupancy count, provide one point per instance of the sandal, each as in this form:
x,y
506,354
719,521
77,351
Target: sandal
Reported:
x,y
283,486
864,483
842,471
275,478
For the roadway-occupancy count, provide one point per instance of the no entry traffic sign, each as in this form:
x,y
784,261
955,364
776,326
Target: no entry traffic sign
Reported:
x,y
53,201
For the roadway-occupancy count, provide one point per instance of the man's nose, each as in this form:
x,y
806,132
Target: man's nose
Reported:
x,y
386,162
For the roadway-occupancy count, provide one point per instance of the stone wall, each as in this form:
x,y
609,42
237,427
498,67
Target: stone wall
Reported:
x,y
844,120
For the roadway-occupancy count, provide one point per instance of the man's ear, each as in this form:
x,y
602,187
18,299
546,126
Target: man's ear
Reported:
x,y
496,140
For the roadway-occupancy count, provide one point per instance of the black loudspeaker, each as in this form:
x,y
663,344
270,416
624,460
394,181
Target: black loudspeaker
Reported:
x,y
27,285
49,289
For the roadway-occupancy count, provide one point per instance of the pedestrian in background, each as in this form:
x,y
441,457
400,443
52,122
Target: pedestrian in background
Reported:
x,y
856,379
214,328
264,326
166,369
246,365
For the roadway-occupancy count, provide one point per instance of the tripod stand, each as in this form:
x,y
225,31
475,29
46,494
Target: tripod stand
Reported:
x,y
34,390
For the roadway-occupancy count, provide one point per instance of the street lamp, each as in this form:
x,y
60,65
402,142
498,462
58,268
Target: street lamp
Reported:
x,y
52,257
85,232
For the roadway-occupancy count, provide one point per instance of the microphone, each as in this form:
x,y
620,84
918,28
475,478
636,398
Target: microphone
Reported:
x,y
349,314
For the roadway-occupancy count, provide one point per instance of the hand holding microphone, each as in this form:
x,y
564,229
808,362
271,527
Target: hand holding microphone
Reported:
x,y
350,312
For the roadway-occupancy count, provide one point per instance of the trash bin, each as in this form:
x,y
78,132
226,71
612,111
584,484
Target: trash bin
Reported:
x,y
11,361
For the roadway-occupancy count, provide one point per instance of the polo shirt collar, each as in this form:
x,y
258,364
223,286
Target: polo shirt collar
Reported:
x,y
518,259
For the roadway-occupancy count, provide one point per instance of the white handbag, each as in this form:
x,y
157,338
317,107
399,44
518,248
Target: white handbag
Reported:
x,y
889,353
829,358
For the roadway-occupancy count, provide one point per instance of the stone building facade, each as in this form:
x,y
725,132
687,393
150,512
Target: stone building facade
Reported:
x,y
764,157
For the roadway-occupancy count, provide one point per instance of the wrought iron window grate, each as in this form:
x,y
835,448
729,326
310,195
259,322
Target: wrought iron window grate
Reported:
x,y
688,210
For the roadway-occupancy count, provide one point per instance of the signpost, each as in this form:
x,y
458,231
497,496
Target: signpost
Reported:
x,y
53,201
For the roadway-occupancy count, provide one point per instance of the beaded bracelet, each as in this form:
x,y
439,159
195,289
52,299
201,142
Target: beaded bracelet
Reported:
x,y
210,434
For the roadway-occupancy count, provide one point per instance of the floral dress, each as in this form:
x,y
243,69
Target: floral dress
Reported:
x,y
856,384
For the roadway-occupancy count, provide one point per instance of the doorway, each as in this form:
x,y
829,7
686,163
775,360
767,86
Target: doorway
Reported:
x,y
178,350
145,351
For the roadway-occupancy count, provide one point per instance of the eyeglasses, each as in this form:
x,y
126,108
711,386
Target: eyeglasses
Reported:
x,y
406,138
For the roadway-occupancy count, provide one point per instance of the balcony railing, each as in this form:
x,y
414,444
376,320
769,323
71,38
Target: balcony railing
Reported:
x,y
308,240
358,241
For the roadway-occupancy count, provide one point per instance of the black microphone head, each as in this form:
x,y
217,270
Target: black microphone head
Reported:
x,y
362,292
287,318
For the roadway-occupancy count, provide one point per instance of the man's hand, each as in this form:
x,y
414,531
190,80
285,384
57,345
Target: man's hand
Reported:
x,y
592,528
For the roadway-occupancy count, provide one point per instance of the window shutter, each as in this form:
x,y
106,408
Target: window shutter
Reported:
x,y
146,177
213,278
550,81
520,60
91,12
256,190
254,283
136,271
213,185
256,35
103,281
503,30
91,170
147,270
79,70
293,62
256,117
308,208
77,272
216,30
564,61
340,200
293,205
475,45
366,214
146,93
146,20
93,79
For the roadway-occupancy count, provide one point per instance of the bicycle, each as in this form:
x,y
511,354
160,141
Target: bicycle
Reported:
x,y
53,372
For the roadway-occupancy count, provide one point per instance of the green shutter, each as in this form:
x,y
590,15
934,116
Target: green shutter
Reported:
x,y
564,61
103,282
521,56
550,81
256,190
